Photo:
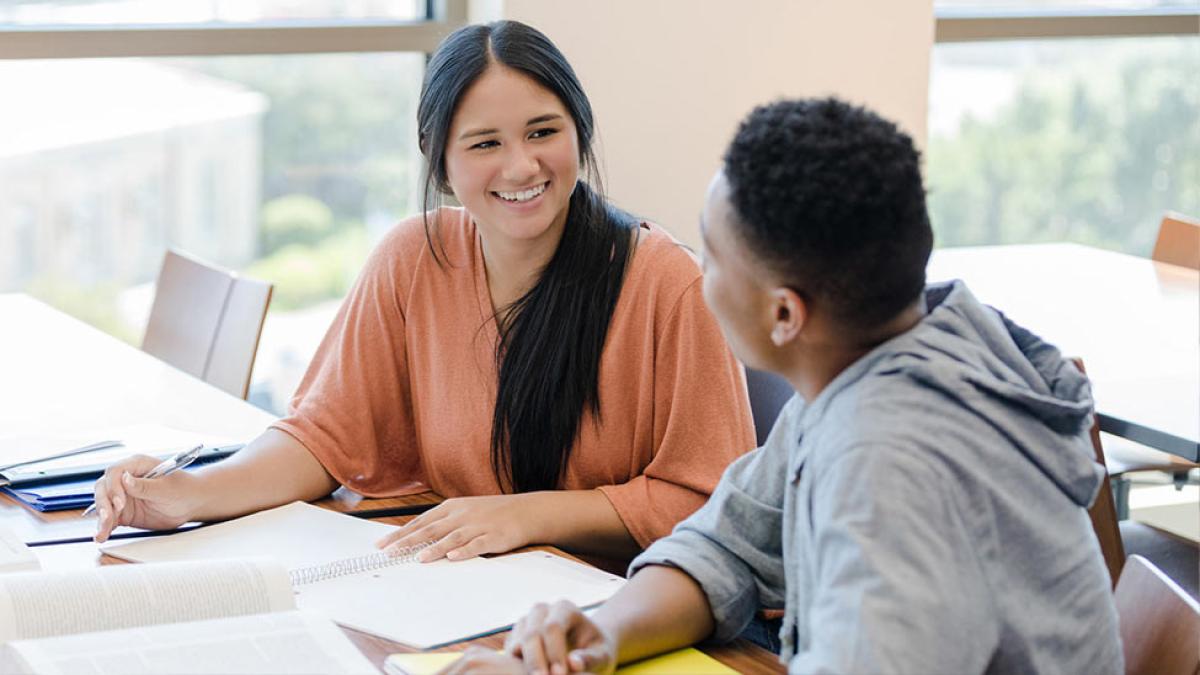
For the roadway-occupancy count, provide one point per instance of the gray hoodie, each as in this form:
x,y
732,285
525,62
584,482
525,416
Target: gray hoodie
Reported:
x,y
924,514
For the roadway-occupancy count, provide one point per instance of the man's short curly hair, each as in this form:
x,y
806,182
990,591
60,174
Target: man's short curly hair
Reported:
x,y
829,195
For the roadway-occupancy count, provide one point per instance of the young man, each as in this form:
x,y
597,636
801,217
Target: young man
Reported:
x,y
920,504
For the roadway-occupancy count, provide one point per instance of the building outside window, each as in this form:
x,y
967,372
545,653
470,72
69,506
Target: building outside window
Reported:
x,y
284,167
1085,139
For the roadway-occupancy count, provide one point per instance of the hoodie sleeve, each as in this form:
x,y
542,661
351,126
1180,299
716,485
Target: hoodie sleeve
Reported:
x,y
732,545
898,587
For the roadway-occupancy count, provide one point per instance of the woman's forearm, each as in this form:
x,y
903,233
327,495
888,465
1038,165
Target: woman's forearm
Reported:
x,y
272,469
582,521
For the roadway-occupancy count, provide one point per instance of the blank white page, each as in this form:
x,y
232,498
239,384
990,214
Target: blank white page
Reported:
x,y
297,535
429,604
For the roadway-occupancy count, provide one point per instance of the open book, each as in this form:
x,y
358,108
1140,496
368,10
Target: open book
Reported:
x,y
336,569
195,617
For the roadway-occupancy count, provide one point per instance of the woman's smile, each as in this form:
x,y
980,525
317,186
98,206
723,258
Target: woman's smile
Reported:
x,y
524,200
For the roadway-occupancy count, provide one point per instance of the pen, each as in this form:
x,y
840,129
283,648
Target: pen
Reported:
x,y
167,466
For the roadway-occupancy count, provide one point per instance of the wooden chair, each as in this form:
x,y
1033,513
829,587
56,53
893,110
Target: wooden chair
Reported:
x,y
1103,511
1178,241
1160,624
207,321
1177,557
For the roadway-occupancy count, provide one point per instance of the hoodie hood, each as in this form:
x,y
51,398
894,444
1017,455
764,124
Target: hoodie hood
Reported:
x,y
1022,385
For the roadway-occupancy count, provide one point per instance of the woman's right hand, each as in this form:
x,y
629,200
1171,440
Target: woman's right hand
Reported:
x,y
123,498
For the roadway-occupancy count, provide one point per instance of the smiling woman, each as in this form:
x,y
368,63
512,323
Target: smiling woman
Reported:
x,y
538,356
511,153
514,168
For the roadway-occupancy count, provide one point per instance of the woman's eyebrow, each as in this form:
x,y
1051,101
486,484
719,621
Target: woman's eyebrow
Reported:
x,y
478,132
484,132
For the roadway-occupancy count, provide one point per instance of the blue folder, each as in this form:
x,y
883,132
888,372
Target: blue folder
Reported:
x,y
75,492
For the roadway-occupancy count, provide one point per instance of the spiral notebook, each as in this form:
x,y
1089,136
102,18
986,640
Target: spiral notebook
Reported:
x,y
336,569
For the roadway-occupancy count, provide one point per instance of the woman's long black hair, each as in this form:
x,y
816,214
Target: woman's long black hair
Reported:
x,y
552,337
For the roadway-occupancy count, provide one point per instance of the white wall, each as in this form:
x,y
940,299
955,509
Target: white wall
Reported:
x,y
670,79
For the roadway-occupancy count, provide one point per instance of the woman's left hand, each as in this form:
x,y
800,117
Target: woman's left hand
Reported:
x,y
466,527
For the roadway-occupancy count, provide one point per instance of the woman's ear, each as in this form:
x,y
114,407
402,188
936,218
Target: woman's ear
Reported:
x,y
790,314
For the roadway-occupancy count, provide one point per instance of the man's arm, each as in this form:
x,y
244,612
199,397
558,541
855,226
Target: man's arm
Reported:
x,y
705,579
661,609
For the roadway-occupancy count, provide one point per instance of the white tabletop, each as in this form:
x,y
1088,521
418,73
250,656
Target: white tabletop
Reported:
x,y
1134,322
60,376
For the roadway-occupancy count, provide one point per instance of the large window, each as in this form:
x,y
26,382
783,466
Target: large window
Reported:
x,y
1068,120
1082,137
284,164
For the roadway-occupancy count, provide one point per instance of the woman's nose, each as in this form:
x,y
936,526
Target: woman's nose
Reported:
x,y
520,165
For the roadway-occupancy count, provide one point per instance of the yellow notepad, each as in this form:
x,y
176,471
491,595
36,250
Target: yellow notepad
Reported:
x,y
683,662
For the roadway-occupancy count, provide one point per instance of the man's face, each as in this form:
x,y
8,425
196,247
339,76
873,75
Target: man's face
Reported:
x,y
734,282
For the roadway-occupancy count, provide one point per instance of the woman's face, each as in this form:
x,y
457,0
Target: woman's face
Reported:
x,y
512,156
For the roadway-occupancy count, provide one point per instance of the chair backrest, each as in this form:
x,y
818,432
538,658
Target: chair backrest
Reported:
x,y
189,301
768,393
1178,241
236,343
1160,622
1104,510
207,321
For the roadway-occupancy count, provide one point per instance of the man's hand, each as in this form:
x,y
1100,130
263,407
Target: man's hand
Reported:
x,y
559,639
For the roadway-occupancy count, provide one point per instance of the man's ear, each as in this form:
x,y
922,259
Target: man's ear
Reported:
x,y
790,315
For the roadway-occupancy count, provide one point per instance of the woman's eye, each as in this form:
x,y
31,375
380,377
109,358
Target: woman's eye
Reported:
x,y
484,145
542,133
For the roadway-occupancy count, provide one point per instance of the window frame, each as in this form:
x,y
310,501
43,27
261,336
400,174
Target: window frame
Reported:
x,y
977,25
318,37
278,37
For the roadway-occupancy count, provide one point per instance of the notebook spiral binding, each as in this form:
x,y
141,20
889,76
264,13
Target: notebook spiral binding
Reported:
x,y
345,566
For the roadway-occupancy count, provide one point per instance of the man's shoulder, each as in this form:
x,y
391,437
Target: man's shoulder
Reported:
x,y
884,419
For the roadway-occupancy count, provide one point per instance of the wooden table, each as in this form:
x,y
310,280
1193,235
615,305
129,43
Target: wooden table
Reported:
x,y
1134,322
57,373
741,655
